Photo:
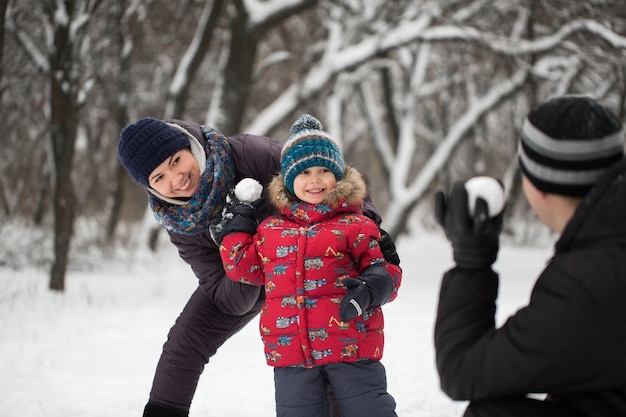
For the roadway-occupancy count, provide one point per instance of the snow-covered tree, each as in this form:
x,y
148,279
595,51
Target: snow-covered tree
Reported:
x,y
429,75
419,93
56,54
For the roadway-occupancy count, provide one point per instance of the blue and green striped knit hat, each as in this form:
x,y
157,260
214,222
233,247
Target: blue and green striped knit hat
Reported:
x,y
309,146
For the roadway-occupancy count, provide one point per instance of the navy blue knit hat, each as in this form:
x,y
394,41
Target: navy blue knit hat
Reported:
x,y
309,146
567,143
145,144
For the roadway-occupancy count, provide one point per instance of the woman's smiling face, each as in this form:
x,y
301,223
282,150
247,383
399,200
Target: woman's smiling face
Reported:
x,y
178,176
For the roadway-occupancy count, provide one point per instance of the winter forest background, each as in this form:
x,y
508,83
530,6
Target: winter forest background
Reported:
x,y
420,93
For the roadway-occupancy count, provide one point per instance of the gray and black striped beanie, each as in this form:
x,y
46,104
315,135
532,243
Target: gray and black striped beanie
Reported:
x,y
567,143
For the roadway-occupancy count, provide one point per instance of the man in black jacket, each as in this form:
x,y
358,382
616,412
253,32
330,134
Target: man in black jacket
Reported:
x,y
569,342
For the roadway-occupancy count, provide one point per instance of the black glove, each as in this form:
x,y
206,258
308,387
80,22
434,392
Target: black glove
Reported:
x,y
236,217
475,240
388,248
372,289
158,410
356,300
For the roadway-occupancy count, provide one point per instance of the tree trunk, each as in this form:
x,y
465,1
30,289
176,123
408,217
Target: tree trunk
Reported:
x,y
117,198
3,10
238,74
63,130
64,210
178,94
64,201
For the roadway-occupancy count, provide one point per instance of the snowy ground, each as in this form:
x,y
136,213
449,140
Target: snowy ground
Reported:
x,y
91,351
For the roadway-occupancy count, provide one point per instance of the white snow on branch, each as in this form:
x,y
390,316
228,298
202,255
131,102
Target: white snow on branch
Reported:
x,y
460,128
336,60
61,16
260,12
38,57
182,71
403,196
520,46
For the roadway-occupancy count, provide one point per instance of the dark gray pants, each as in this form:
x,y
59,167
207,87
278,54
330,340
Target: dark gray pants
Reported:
x,y
360,390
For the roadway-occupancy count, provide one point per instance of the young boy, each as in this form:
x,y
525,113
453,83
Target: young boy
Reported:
x,y
325,279
570,340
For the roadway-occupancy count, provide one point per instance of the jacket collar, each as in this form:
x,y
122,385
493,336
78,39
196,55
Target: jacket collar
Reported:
x,y
600,219
347,196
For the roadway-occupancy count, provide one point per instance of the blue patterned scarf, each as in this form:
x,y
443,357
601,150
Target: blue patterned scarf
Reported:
x,y
205,206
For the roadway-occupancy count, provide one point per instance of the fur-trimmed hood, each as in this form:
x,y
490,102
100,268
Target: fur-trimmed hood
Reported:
x,y
351,190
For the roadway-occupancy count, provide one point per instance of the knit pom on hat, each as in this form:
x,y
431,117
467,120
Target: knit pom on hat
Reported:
x,y
145,144
568,143
305,122
309,146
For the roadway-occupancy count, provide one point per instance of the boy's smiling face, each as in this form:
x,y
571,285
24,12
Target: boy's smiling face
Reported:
x,y
314,184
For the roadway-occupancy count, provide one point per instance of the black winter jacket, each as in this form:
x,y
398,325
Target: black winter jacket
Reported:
x,y
569,341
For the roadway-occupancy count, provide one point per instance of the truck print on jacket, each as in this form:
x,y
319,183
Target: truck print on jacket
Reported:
x,y
301,259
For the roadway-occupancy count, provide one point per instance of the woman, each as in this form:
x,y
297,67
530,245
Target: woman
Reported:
x,y
187,170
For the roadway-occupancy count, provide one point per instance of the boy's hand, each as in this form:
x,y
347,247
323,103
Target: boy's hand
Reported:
x,y
356,300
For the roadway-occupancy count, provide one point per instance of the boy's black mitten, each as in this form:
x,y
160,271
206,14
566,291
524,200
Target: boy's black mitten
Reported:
x,y
388,248
475,239
356,300
372,289
237,216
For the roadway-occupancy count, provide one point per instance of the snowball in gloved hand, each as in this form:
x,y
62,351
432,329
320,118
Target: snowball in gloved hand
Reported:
x,y
248,190
487,188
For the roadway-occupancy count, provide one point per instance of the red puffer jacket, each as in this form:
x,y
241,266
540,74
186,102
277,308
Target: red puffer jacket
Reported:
x,y
301,258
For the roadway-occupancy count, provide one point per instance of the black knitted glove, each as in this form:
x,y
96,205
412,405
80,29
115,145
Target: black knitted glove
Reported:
x,y
236,217
388,248
475,240
158,410
372,289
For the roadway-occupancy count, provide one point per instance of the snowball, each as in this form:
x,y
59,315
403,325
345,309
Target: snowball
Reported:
x,y
490,190
248,190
